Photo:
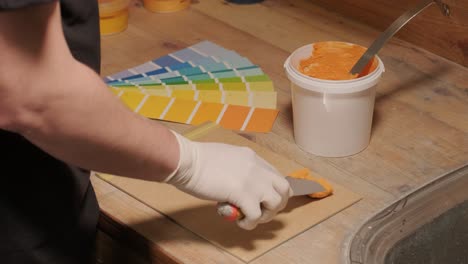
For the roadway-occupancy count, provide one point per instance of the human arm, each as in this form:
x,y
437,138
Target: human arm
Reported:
x,y
64,108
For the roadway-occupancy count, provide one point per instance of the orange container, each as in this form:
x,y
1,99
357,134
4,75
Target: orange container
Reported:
x,y
113,16
166,6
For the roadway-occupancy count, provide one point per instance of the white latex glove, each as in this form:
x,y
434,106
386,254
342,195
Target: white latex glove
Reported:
x,y
227,173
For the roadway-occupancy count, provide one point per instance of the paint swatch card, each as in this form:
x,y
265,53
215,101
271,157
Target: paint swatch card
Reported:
x,y
204,82
194,79
260,99
235,117
191,73
207,55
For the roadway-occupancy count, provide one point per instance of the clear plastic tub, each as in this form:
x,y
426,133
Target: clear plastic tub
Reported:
x,y
113,16
331,118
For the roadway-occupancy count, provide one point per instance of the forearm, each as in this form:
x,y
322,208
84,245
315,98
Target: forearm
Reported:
x,y
84,124
64,107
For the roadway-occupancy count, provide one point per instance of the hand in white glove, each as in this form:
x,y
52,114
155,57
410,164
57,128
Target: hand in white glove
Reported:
x,y
226,173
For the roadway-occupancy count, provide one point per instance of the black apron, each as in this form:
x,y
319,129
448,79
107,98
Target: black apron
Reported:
x,y
48,210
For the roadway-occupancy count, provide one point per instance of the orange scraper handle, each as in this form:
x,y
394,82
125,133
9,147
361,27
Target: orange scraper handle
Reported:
x,y
229,212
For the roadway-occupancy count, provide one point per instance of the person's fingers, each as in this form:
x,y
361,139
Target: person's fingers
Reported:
x,y
280,182
252,213
283,188
267,165
271,204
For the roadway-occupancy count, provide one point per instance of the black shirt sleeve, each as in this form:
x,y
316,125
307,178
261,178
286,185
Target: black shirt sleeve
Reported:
x,y
80,21
41,197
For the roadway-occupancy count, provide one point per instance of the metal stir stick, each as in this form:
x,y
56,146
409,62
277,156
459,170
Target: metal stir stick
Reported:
x,y
392,29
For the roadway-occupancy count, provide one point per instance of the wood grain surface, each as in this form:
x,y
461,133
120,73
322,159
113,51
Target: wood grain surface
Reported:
x,y
420,128
200,216
445,36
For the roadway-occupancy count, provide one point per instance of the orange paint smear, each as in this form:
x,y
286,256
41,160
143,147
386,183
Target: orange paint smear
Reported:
x,y
333,60
307,175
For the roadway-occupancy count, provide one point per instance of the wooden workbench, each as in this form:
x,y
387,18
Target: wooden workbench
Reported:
x,y
420,128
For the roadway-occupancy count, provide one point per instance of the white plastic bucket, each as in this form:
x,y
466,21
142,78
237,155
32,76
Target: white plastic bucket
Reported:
x,y
331,118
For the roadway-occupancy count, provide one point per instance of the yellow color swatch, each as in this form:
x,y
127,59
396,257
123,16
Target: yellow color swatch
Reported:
x,y
160,92
236,98
183,94
261,86
264,99
115,91
132,98
155,87
210,96
180,111
154,106
260,99
237,86
181,87
207,86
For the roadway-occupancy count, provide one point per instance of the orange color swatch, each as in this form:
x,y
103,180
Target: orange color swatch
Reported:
x,y
333,60
261,120
207,112
234,117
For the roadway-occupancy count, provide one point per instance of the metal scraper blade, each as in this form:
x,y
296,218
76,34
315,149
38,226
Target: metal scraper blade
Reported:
x,y
303,186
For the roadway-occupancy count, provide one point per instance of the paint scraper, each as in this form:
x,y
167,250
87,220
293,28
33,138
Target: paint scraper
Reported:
x,y
298,186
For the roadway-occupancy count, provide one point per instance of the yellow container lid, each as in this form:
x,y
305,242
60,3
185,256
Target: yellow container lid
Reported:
x,y
114,24
165,6
108,8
